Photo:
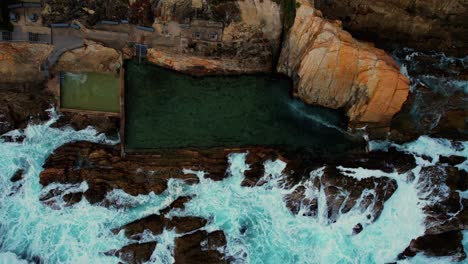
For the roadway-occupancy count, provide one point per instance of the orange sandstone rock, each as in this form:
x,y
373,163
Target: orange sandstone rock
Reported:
x,y
332,69
93,57
21,62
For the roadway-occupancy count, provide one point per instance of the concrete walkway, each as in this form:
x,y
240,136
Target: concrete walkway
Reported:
x,y
63,39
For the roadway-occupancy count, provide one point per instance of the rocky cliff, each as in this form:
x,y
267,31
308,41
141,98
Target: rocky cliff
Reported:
x,y
250,41
93,57
331,69
422,24
21,62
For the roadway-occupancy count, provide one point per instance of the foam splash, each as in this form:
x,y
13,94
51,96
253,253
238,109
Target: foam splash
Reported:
x,y
258,225
297,107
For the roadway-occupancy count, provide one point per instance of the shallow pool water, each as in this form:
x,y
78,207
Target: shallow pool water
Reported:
x,y
90,91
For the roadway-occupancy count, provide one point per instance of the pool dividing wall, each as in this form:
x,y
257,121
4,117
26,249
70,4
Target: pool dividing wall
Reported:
x,y
169,110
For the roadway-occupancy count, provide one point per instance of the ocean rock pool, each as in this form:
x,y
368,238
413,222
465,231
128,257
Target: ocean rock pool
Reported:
x,y
166,109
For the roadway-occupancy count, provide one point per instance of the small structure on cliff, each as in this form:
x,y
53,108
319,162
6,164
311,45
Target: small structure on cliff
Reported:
x,y
27,24
205,32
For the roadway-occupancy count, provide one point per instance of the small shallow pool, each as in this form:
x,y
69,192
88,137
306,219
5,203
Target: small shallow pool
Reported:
x,y
90,91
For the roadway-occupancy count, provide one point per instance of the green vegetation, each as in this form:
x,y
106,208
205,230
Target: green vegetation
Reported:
x,y
90,91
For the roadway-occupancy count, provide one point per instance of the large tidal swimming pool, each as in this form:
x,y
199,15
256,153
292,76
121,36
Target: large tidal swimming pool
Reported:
x,y
167,110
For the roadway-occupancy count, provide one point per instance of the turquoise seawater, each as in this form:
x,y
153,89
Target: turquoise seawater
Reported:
x,y
82,232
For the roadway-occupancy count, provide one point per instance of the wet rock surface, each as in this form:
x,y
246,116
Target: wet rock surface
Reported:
x,y
440,245
21,62
200,247
437,104
332,69
104,170
137,253
343,193
436,115
422,24
192,245
25,104
17,109
108,125
446,214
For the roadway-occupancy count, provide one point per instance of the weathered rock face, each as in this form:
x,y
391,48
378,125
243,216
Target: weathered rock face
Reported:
x,y
421,24
437,105
18,109
197,65
92,58
430,113
446,213
305,176
173,10
331,69
21,62
250,41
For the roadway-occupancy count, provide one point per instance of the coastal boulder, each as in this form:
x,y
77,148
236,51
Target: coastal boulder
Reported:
x,y
332,69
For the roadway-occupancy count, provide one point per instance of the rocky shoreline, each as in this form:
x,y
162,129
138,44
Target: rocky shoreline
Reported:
x,y
388,105
104,171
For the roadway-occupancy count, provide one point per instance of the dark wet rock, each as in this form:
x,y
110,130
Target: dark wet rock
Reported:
x,y
45,197
452,160
431,113
186,224
103,168
157,223
445,213
72,198
197,247
357,229
17,109
342,194
425,157
297,201
440,245
339,188
179,203
137,253
18,176
256,161
386,161
422,24
200,247
153,223
438,186
103,124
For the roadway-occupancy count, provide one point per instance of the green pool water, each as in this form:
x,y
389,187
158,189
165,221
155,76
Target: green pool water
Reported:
x,y
90,91
165,109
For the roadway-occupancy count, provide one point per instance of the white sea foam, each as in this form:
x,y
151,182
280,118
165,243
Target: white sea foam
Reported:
x,y
258,225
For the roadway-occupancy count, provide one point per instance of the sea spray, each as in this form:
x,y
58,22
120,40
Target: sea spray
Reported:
x,y
258,225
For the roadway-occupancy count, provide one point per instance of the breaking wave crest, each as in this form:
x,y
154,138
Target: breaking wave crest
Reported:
x,y
258,225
